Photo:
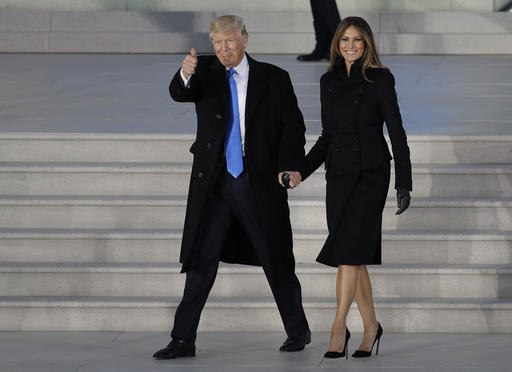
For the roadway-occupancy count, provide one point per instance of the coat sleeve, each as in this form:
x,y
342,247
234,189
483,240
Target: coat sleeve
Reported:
x,y
292,139
318,153
180,93
389,108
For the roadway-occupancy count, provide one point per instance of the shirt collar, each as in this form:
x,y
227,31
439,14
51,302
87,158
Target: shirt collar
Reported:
x,y
243,67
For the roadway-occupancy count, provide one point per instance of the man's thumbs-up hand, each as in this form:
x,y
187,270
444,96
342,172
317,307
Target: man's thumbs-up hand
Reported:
x,y
190,64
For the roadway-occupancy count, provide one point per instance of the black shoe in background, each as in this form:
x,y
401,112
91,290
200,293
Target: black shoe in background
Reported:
x,y
313,56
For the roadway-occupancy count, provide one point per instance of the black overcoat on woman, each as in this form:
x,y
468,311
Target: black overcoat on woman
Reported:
x,y
274,142
357,159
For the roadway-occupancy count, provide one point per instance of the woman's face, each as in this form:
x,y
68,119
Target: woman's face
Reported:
x,y
351,44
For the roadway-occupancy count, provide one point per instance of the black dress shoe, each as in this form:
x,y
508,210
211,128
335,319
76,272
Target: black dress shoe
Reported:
x,y
176,349
313,56
295,345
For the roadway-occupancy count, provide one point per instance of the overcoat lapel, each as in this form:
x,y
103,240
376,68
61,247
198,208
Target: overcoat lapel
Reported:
x,y
218,78
255,88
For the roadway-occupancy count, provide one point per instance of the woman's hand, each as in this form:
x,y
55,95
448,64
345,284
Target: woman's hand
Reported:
x,y
403,200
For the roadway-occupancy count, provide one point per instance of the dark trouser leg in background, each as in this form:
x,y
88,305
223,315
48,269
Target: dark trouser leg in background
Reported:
x,y
326,19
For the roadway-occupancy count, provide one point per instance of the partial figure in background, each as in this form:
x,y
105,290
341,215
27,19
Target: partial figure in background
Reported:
x,y
325,20
357,96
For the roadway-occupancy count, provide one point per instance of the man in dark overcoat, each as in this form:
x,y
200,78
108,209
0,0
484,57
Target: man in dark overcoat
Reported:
x,y
250,132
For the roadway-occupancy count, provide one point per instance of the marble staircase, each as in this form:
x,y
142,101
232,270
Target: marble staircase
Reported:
x,y
91,227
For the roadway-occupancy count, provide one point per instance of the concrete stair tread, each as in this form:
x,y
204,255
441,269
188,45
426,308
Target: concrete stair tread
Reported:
x,y
133,233
179,200
59,136
417,201
250,302
180,167
95,167
305,268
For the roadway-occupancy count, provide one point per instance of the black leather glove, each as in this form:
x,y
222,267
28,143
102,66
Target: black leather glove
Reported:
x,y
403,200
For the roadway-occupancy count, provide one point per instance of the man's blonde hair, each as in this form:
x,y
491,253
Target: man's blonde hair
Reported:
x,y
228,23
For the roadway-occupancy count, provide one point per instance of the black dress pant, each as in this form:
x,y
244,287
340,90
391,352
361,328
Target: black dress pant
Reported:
x,y
233,200
326,19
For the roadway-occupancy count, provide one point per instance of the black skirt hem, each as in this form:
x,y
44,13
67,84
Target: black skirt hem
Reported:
x,y
347,263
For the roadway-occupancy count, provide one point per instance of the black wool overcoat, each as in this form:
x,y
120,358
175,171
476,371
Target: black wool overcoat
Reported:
x,y
353,113
274,142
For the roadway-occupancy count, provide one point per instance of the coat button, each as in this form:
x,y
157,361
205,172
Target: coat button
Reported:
x,y
208,145
361,90
200,175
218,116
329,90
356,101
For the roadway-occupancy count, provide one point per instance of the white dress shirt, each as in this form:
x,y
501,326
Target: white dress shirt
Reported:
x,y
241,79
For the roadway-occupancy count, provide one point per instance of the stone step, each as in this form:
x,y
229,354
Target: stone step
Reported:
x,y
446,214
276,5
442,214
163,246
260,43
18,178
281,32
157,279
162,148
249,315
287,22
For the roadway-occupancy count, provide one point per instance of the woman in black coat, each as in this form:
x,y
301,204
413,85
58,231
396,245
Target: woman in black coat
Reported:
x,y
357,96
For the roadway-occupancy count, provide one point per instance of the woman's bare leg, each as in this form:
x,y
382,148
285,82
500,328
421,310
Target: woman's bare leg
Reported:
x,y
346,284
364,300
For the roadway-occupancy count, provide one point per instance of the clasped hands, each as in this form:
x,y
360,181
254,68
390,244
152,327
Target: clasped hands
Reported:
x,y
295,178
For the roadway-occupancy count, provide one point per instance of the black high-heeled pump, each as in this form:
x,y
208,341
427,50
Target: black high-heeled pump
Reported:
x,y
335,354
363,353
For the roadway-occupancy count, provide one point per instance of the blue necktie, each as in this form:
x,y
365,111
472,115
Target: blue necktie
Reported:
x,y
233,141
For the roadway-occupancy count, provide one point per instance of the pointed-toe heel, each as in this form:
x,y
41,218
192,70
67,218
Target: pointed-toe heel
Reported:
x,y
363,353
335,354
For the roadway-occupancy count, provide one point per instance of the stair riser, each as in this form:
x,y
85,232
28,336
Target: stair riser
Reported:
x,y
97,150
261,8
251,285
425,185
249,320
260,43
94,183
419,218
306,251
302,217
430,185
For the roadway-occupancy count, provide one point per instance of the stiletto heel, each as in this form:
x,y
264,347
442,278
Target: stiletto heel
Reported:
x,y
335,354
363,353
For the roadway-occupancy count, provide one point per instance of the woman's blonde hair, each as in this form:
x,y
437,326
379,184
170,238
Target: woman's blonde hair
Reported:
x,y
370,56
